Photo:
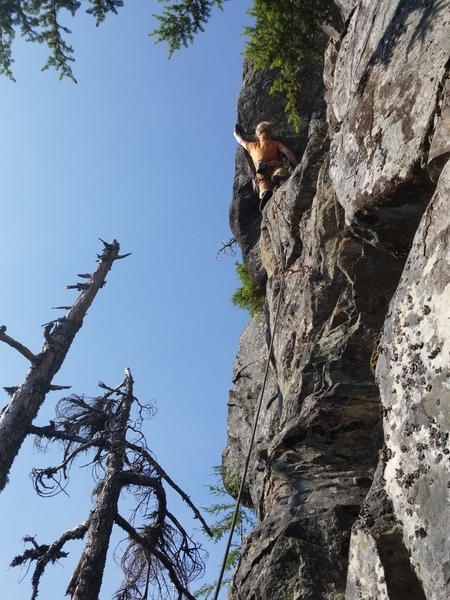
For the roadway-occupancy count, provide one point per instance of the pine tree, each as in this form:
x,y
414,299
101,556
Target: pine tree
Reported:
x,y
224,513
182,20
42,21
284,33
249,296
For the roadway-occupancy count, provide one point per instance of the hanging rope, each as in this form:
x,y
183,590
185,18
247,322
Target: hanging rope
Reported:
x,y
258,412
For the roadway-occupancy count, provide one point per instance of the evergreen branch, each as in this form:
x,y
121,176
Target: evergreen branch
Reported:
x,y
245,521
101,8
38,21
285,32
51,35
181,21
6,60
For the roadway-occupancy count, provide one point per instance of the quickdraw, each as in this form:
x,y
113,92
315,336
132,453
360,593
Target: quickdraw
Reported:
x,y
303,269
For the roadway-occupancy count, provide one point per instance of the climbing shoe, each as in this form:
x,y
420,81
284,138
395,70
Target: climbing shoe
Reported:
x,y
267,195
279,179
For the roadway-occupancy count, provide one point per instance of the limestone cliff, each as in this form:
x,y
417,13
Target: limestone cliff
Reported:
x,y
350,471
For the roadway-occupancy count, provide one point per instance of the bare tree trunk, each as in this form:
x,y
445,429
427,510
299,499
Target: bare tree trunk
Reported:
x,y
87,578
159,554
18,416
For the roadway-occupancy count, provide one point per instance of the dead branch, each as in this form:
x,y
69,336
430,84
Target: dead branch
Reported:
x,y
35,553
55,474
79,286
52,433
16,345
160,552
227,248
11,390
239,374
17,418
44,554
152,550
172,484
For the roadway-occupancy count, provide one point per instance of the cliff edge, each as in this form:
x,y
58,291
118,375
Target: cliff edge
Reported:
x,y
350,471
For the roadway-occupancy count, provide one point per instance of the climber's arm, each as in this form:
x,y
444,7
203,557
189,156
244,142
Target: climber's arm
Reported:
x,y
289,155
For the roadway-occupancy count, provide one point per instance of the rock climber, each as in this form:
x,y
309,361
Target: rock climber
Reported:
x,y
266,155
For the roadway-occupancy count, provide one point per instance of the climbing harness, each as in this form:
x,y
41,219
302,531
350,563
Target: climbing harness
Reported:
x,y
258,411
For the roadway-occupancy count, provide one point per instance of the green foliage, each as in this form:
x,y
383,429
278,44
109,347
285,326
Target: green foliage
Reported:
x,y
40,21
182,20
224,513
285,32
250,296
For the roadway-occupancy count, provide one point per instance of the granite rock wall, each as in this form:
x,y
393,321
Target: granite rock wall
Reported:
x,y
350,472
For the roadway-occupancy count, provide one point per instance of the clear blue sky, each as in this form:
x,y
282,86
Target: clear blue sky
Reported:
x,y
140,150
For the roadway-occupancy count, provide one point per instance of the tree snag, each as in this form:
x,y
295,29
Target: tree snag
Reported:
x,y
160,555
17,417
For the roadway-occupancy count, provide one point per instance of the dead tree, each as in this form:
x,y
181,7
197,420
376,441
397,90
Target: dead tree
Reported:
x,y
160,557
17,417
228,248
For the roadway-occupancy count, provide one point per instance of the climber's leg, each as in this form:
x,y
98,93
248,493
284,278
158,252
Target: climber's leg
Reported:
x,y
264,185
280,175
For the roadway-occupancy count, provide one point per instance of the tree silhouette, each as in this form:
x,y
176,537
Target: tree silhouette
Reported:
x,y
160,558
42,21
17,417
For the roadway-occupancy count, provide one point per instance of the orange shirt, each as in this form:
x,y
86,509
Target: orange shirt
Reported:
x,y
268,150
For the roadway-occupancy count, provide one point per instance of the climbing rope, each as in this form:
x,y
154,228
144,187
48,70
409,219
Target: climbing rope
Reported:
x,y
257,414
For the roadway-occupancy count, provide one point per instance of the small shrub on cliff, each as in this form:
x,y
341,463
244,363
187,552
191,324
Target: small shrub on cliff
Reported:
x,y
285,31
224,513
250,296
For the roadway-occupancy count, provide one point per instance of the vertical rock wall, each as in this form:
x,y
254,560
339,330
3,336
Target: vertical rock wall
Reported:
x,y
350,471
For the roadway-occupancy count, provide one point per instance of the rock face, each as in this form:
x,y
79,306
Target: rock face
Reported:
x,y
414,376
389,78
350,470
